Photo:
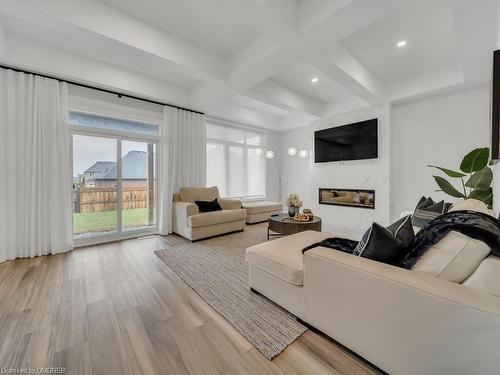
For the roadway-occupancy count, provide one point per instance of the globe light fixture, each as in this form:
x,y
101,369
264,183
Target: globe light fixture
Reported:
x,y
303,154
269,154
258,151
292,151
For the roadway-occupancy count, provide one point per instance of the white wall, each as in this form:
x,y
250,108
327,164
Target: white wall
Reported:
x,y
304,177
437,130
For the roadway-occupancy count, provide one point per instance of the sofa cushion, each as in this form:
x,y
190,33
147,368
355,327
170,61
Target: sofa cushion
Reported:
x,y
380,244
426,211
262,206
191,194
454,258
487,276
472,205
283,257
403,230
216,217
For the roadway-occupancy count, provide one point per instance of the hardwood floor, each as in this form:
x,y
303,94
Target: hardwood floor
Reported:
x,y
118,309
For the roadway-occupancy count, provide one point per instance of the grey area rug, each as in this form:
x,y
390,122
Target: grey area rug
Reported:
x,y
219,274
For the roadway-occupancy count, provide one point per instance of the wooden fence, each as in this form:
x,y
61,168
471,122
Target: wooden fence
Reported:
x,y
98,199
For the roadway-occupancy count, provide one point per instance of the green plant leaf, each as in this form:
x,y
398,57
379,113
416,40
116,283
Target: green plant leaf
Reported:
x,y
449,172
480,180
475,160
483,195
448,188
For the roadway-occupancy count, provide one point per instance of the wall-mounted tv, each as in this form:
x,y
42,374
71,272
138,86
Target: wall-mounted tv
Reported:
x,y
348,142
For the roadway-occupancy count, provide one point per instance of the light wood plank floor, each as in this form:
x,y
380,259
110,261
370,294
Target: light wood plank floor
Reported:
x,y
118,309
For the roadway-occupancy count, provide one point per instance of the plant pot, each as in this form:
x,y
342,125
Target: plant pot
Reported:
x,y
292,210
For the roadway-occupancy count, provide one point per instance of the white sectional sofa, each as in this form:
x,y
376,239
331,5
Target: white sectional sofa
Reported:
x,y
403,321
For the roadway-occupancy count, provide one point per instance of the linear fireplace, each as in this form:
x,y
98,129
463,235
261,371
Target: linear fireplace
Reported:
x,y
347,197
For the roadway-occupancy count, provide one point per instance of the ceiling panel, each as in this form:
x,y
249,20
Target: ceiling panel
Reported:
x,y
197,22
298,78
429,31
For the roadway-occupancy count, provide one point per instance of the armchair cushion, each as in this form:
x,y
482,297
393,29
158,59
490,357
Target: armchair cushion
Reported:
x,y
191,194
230,204
216,217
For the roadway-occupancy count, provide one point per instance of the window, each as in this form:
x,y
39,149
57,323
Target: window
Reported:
x,y
235,162
114,177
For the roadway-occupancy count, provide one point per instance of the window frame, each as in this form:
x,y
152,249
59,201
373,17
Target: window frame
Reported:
x,y
245,146
119,136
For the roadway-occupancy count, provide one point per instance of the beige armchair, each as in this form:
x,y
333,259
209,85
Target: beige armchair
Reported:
x,y
188,222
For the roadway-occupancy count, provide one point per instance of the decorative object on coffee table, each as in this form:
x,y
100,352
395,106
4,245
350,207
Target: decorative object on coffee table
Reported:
x,y
294,203
283,225
308,212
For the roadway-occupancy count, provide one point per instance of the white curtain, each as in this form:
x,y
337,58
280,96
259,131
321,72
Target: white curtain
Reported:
x,y
35,174
181,158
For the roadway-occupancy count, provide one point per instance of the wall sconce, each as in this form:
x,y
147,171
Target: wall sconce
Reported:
x,y
269,154
303,154
292,151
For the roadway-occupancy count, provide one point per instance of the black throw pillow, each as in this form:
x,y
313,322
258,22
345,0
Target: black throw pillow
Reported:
x,y
427,210
210,206
403,229
380,244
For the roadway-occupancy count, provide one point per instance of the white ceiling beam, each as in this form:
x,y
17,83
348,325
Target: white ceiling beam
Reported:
x,y
100,19
347,71
263,16
313,11
258,49
278,96
24,54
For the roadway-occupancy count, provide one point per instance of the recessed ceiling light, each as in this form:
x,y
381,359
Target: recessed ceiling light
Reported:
x,y
402,43
314,80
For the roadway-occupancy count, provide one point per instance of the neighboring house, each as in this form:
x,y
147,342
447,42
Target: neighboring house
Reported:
x,y
135,171
98,169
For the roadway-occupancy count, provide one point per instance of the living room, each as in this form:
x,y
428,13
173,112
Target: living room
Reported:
x,y
249,187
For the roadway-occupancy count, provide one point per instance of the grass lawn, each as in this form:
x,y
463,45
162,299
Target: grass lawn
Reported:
x,y
106,220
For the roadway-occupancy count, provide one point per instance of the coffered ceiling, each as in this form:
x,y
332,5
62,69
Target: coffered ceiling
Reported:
x,y
254,61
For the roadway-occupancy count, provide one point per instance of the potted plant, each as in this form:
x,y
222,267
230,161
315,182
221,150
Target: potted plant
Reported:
x,y
475,177
294,203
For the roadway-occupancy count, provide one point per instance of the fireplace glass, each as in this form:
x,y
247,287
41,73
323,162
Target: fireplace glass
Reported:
x,y
347,197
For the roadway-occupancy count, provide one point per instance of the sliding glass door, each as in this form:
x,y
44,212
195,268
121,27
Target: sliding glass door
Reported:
x,y
138,185
114,187
95,193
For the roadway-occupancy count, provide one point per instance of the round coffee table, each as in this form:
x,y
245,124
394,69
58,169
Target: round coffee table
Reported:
x,y
282,224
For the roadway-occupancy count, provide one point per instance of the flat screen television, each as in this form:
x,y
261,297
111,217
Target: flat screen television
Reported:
x,y
348,142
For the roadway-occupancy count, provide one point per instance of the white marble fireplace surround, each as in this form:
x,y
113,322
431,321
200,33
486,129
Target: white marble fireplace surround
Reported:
x,y
304,177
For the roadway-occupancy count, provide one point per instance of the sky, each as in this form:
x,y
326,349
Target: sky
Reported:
x,y
88,150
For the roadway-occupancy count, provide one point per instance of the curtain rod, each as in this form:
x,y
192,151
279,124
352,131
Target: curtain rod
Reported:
x,y
119,94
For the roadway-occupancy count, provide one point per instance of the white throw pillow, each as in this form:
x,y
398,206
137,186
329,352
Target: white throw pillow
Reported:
x,y
454,258
471,205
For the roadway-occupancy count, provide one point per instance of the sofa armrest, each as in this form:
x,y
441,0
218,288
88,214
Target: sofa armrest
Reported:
x,y
181,211
377,310
230,204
